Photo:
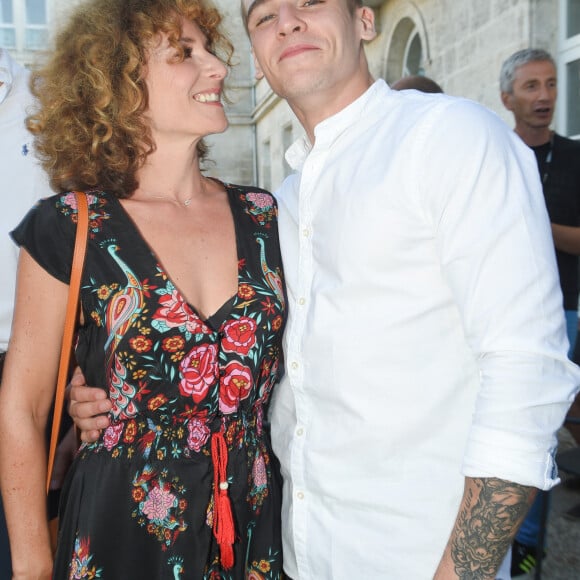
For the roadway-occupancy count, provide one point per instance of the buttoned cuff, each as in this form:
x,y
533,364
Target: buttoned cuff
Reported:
x,y
512,457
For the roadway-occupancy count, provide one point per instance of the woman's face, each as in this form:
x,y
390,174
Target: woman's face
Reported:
x,y
185,97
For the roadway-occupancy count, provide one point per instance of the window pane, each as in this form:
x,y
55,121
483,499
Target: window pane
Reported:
x,y
36,38
573,17
6,15
414,56
35,11
7,38
573,97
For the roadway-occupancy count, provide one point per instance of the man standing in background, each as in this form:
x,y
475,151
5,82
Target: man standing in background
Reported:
x,y
23,182
528,84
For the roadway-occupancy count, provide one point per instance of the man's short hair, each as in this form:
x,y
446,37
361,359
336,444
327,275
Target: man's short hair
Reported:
x,y
515,61
417,82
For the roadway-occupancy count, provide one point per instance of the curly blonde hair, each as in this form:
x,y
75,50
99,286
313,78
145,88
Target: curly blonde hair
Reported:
x,y
90,127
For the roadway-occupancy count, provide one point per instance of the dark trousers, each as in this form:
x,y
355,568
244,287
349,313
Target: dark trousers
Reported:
x,y
5,563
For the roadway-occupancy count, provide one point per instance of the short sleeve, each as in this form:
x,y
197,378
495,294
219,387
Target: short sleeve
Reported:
x,y
47,233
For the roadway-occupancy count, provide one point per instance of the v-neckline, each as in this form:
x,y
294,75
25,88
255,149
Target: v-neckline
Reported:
x,y
227,307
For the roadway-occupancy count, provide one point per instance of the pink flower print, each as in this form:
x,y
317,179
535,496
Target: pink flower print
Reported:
x,y
260,200
259,472
239,335
112,435
199,370
235,386
158,503
198,433
71,200
176,313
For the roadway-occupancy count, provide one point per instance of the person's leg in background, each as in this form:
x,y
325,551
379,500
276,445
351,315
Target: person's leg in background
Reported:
x,y
525,546
5,563
571,330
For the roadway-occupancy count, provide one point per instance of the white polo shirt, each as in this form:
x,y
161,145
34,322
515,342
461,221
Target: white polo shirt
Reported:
x,y
22,181
425,340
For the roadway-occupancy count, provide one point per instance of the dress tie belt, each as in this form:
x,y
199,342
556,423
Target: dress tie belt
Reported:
x,y
223,521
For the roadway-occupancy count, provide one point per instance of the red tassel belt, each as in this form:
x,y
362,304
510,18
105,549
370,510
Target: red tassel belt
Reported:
x,y
223,521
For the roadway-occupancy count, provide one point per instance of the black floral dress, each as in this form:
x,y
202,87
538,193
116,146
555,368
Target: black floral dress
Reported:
x,y
190,398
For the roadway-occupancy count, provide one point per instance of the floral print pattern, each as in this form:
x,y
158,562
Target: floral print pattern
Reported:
x,y
174,380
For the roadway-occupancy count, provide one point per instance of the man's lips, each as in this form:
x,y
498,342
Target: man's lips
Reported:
x,y
295,50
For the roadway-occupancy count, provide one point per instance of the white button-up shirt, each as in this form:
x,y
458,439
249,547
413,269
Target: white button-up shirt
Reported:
x,y
425,339
22,179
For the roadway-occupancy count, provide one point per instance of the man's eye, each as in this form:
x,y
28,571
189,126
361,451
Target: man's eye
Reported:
x,y
262,19
187,51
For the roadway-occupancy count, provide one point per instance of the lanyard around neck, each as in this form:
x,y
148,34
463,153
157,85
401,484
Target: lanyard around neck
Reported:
x,y
548,161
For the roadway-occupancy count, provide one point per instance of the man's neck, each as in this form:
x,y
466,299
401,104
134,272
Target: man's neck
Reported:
x,y
316,108
534,137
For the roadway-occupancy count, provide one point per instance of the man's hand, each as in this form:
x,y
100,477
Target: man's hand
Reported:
x,y
86,407
65,453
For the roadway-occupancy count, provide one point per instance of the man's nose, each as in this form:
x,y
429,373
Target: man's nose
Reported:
x,y
289,20
547,92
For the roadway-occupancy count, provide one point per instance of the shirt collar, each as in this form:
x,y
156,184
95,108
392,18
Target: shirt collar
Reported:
x,y
327,131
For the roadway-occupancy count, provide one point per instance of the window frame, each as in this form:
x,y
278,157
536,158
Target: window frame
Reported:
x,y
569,51
21,28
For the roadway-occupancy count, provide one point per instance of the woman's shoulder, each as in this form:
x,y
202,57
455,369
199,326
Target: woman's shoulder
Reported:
x,y
65,203
56,216
255,202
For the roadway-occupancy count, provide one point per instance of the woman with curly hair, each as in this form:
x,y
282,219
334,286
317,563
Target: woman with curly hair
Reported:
x,y
182,312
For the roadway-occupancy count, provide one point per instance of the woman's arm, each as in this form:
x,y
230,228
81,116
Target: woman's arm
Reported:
x,y
26,395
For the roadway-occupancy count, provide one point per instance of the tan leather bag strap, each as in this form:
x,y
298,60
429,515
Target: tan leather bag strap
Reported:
x,y
69,325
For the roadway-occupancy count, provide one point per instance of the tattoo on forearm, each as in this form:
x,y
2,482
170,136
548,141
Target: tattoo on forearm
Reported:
x,y
485,526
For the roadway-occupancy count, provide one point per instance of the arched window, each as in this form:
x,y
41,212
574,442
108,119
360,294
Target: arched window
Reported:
x,y
406,53
413,60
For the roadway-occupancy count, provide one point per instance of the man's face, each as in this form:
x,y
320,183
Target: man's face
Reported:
x,y
306,47
534,94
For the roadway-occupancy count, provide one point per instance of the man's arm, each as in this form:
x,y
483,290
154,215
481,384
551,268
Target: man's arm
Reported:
x,y
87,407
497,255
566,238
490,514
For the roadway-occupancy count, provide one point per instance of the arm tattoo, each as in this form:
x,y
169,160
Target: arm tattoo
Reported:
x,y
485,526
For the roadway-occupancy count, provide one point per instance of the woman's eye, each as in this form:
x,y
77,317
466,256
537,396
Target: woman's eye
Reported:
x,y
187,51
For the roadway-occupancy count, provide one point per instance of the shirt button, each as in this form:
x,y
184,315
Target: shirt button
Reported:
x,y
306,232
300,495
300,432
294,365
302,301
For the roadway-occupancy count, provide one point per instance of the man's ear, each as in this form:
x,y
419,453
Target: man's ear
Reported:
x,y
507,101
259,74
366,18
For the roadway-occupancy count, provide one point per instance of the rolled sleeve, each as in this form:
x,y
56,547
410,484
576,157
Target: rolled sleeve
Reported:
x,y
505,284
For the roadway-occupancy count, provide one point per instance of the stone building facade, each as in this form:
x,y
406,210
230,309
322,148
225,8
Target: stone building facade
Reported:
x,y
459,43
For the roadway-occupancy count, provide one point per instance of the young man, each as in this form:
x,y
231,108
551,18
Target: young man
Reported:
x,y
528,83
425,348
